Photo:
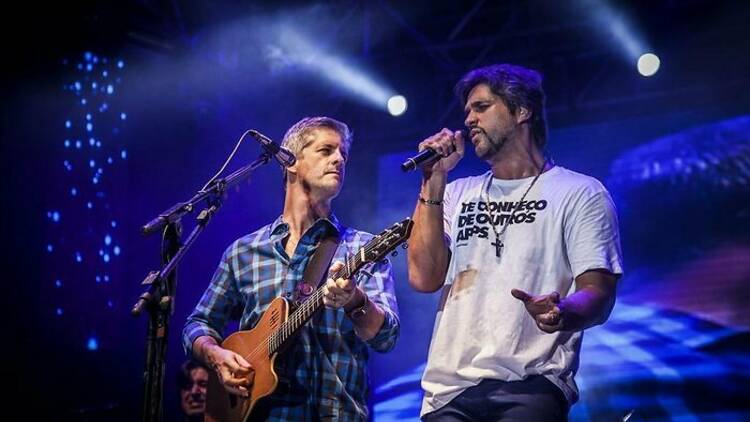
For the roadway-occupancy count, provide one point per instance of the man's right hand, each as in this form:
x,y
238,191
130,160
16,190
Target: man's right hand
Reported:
x,y
447,143
234,371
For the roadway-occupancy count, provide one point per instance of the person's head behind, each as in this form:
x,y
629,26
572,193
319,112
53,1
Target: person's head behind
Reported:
x,y
517,86
321,146
192,380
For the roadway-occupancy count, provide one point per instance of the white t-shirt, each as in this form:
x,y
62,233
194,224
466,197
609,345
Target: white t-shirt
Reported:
x,y
566,225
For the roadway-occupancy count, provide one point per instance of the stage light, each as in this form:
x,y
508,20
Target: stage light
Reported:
x,y
92,344
624,31
293,49
397,105
85,128
648,64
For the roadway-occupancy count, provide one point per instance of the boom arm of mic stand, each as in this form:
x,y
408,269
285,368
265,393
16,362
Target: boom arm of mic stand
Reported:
x,y
181,208
173,214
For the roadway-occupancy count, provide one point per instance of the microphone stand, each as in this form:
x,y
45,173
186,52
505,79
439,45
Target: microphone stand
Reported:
x,y
158,299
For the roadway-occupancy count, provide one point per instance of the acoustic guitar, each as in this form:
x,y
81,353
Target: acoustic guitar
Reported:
x,y
276,327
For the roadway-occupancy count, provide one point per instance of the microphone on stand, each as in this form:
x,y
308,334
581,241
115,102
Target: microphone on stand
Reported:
x,y
281,154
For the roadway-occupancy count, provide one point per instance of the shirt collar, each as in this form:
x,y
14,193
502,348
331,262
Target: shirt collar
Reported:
x,y
330,224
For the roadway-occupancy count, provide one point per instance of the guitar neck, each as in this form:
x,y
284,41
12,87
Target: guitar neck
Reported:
x,y
309,307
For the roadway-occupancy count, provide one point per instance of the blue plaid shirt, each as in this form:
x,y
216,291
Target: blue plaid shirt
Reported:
x,y
323,372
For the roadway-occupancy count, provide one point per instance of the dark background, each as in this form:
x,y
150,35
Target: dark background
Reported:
x,y
672,149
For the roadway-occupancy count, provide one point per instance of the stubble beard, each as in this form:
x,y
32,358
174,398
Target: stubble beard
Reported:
x,y
487,147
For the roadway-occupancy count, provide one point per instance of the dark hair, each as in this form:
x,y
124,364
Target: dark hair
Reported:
x,y
183,375
517,86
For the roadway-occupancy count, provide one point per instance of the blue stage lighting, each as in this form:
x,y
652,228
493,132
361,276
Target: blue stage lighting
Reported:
x,y
397,105
648,64
79,131
295,49
623,30
92,344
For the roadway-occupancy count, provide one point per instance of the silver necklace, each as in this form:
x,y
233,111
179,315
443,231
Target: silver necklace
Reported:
x,y
498,244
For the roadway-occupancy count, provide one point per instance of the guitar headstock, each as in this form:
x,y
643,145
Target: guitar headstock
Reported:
x,y
386,241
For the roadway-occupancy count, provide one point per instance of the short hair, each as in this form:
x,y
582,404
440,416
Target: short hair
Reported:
x,y
184,380
517,86
294,139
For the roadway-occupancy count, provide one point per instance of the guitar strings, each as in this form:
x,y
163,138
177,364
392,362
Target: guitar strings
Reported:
x,y
317,295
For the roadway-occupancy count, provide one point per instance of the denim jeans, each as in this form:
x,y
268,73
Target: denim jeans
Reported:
x,y
530,400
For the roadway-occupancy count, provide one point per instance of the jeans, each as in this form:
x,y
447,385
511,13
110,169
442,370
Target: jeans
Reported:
x,y
530,400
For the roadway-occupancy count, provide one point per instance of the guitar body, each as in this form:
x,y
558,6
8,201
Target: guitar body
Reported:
x,y
276,327
222,406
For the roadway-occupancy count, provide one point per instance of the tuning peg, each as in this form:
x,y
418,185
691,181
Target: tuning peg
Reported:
x,y
404,245
394,253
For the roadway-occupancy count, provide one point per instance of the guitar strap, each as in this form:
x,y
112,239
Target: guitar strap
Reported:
x,y
317,268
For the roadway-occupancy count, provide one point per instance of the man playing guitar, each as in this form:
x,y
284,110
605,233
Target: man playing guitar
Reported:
x,y
322,372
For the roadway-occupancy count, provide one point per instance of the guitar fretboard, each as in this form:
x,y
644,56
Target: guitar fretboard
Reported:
x,y
308,308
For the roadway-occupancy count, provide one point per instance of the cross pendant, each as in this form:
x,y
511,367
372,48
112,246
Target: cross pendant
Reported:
x,y
498,244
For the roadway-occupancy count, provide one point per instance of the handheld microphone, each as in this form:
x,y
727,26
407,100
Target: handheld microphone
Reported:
x,y
427,156
281,154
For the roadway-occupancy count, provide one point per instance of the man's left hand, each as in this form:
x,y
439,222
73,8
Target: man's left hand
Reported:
x,y
340,292
545,309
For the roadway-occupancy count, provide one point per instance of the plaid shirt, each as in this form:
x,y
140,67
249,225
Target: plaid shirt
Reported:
x,y
323,372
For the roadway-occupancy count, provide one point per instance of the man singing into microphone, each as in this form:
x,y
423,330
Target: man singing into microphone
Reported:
x,y
323,372
528,255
